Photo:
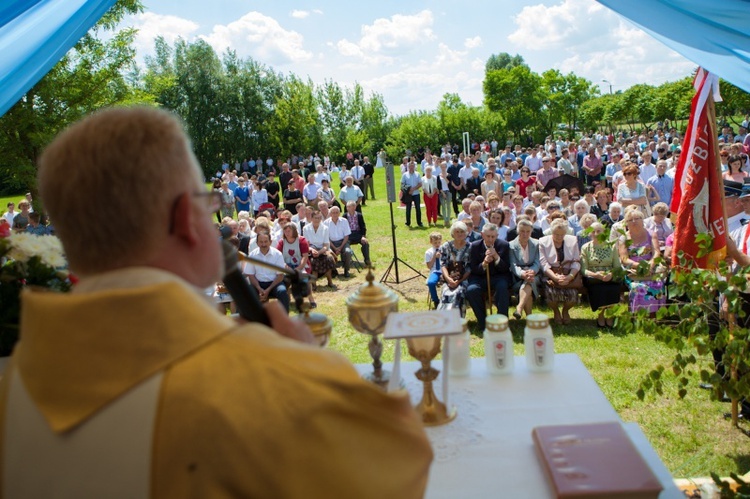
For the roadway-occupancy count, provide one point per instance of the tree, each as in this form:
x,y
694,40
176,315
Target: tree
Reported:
x,y
225,104
335,116
90,76
296,123
375,122
247,94
456,118
671,100
735,101
517,95
637,105
413,131
503,60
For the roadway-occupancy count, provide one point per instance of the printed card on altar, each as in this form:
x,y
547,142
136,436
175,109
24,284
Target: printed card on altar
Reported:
x,y
416,324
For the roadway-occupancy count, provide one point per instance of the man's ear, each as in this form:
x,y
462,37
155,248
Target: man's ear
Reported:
x,y
184,219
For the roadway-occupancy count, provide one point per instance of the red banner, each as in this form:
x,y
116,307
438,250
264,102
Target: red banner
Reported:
x,y
697,199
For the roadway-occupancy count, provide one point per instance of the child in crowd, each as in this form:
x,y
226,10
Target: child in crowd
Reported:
x,y
471,234
432,260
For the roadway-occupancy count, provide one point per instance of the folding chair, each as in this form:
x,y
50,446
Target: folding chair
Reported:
x,y
355,261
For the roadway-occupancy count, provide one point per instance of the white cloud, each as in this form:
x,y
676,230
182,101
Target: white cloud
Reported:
x,y
540,27
472,43
151,25
318,11
300,14
396,35
421,85
595,43
448,58
260,37
348,49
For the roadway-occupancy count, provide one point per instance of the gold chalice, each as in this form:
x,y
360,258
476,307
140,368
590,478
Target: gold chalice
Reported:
x,y
424,349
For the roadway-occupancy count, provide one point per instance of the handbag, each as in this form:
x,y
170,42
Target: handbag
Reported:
x,y
564,269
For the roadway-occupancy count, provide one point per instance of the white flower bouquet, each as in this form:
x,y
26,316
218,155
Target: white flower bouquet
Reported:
x,y
27,260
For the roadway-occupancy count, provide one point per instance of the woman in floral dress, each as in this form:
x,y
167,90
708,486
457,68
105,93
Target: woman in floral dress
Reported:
x,y
639,250
454,264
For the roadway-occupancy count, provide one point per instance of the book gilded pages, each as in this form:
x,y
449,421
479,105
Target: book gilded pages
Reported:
x,y
592,461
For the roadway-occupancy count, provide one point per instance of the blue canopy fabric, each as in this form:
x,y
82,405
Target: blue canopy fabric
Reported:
x,y
714,35
35,35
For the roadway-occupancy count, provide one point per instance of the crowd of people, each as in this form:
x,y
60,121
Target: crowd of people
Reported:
x,y
306,226
607,232
24,219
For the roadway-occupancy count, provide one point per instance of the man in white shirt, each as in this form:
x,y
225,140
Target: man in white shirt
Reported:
x,y
411,183
533,162
320,174
613,167
266,281
351,192
338,237
310,191
358,174
465,174
11,213
648,169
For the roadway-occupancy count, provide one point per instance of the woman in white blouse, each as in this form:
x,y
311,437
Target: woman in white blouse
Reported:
x,y
321,258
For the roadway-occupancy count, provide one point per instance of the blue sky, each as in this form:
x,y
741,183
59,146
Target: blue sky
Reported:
x,y
414,51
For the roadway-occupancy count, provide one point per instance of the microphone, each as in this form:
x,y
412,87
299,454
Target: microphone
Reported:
x,y
245,296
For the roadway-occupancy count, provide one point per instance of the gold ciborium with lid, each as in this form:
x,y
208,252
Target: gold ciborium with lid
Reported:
x,y
368,311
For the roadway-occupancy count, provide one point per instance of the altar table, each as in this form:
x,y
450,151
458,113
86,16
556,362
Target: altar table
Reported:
x,y
487,451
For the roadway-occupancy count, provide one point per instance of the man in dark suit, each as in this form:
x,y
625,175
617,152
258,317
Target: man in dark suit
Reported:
x,y
489,255
285,176
358,228
455,185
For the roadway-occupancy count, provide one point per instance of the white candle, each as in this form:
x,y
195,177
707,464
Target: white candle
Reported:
x,y
459,362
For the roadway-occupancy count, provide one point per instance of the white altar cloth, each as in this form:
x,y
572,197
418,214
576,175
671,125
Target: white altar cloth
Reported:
x,y
487,451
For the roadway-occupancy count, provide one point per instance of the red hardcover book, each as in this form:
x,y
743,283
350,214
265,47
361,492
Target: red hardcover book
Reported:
x,y
592,461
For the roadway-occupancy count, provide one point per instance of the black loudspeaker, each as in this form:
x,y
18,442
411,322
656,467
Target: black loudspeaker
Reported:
x,y
390,183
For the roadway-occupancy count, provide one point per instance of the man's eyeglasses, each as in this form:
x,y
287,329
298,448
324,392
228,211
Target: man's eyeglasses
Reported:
x,y
213,204
214,199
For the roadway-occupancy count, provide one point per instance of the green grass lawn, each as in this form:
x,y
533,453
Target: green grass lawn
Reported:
x,y
690,435
7,199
